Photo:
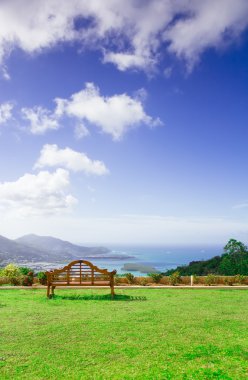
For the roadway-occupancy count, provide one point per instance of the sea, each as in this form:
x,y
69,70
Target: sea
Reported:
x,y
146,259
160,258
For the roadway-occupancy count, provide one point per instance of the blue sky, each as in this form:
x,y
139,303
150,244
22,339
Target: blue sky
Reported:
x,y
124,124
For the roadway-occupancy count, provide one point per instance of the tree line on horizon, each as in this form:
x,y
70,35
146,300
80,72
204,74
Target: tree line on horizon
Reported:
x,y
233,261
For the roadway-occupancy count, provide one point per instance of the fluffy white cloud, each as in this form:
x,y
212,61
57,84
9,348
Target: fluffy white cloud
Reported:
x,y
131,33
209,23
40,120
44,193
114,115
34,25
51,156
5,112
126,61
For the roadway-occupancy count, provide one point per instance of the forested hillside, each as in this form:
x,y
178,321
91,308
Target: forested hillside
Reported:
x,y
234,260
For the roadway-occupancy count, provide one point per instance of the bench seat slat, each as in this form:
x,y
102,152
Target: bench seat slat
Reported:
x,y
77,283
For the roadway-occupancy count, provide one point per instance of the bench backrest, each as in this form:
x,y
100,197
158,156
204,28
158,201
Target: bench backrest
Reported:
x,y
79,271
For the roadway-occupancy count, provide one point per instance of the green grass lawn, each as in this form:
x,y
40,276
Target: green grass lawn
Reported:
x,y
143,334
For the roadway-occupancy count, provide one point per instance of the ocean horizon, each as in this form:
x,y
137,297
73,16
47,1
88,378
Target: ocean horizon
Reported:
x,y
161,258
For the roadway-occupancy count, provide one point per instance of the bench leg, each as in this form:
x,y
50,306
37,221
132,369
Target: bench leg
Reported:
x,y
112,292
53,287
48,291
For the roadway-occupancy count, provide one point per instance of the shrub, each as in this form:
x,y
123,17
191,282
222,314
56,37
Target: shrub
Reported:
x,y
165,280
195,279
239,279
25,270
11,270
229,281
12,273
130,278
185,280
27,280
117,279
174,278
4,280
156,277
144,281
42,278
210,279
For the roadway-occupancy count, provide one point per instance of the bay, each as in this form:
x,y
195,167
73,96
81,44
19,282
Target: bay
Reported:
x,y
161,258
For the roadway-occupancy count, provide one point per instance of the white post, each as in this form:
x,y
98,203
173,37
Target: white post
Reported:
x,y
191,280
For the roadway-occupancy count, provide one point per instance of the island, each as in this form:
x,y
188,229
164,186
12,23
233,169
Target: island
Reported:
x,y
136,267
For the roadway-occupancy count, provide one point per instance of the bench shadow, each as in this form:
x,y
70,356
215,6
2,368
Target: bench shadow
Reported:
x,y
98,297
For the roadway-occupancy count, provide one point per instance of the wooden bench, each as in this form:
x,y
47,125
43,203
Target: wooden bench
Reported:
x,y
79,273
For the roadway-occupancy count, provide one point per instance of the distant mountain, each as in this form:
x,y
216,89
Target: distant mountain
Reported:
x,y
11,250
33,248
60,249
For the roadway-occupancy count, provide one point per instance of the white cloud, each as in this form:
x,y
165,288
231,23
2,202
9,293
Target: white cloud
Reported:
x,y
40,120
209,23
114,115
52,156
141,95
131,33
5,112
81,131
34,25
126,61
41,194
5,73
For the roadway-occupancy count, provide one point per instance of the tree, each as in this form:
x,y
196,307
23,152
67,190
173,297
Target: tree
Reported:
x,y
226,267
234,247
238,255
